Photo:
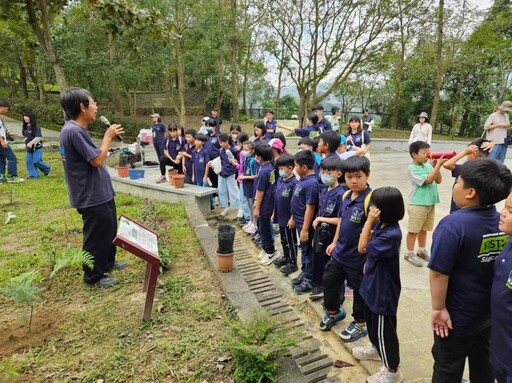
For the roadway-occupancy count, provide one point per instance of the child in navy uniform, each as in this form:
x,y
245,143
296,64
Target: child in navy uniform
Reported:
x,y
476,149
303,206
200,158
501,303
380,288
347,262
249,170
188,149
327,218
282,213
172,149
264,202
260,132
228,189
465,245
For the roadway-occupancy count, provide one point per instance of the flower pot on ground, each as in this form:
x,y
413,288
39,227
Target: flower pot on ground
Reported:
x,y
225,262
170,173
179,180
122,171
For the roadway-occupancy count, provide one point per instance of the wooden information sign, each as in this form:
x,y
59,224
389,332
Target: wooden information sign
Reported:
x,y
142,242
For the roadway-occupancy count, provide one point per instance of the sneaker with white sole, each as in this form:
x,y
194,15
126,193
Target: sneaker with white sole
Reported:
x,y
330,320
249,228
423,254
386,376
261,254
160,179
368,352
353,332
268,258
413,258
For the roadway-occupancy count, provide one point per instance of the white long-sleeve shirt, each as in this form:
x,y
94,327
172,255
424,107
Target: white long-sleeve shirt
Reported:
x,y
421,132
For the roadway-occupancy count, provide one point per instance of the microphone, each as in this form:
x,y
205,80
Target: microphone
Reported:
x,y
104,120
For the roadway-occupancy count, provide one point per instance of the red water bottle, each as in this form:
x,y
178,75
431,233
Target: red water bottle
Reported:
x,y
438,155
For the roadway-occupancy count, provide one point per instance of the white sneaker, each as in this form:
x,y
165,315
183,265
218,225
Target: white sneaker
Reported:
x,y
249,228
261,254
413,258
160,179
268,258
368,352
225,212
385,376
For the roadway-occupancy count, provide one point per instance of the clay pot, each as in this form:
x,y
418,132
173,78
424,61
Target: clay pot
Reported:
x,y
225,262
122,171
170,173
179,180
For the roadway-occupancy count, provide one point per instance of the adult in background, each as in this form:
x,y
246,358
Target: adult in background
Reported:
x,y
422,131
33,146
89,184
158,131
496,127
334,119
7,156
368,121
218,121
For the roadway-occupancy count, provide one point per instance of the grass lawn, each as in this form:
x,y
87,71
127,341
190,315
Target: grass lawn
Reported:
x,y
81,334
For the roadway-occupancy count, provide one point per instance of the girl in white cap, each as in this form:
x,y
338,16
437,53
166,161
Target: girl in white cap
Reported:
x,y
422,131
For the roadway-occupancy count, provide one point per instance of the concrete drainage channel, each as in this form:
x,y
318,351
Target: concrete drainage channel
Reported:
x,y
314,365
251,285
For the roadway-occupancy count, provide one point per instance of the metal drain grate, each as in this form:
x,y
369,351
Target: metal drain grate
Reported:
x,y
311,361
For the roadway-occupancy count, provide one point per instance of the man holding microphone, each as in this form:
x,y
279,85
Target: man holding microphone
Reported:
x,y
89,185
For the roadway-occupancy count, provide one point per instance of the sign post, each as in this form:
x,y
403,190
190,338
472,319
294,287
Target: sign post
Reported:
x,y
143,243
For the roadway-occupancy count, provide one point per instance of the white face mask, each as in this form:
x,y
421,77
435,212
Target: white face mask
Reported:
x,y
234,137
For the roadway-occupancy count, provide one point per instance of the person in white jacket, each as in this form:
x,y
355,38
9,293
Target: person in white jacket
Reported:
x,y
422,131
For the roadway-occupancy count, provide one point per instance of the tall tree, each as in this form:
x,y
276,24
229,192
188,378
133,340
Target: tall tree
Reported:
x,y
322,45
439,63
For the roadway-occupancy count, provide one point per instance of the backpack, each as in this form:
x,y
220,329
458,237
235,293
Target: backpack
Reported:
x,y
366,203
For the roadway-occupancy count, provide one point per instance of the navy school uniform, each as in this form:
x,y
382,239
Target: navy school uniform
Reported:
x,y
465,245
271,125
501,313
329,203
189,149
283,193
212,146
380,289
357,138
264,139
305,193
265,182
199,160
304,132
346,263
455,174
158,133
227,169
250,168
323,125
173,146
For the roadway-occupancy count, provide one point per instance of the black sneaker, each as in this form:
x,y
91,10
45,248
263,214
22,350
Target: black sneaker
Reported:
x,y
280,262
242,221
118,265
304,287
105,281
316,293
289,269
298,280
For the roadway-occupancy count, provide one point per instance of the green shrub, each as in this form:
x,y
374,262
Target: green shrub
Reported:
x,y
256,345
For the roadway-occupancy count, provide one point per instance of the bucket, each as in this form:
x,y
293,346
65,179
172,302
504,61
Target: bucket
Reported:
x,y
179,180
135,174
225,262
170,173
122,171
123,160
226,237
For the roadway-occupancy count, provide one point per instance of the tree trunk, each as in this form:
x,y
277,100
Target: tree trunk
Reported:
x,y
180,80
235,42
303,105
23,79
439,65
38,19
114,90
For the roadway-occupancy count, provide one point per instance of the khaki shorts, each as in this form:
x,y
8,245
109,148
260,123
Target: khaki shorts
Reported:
x,y
421,218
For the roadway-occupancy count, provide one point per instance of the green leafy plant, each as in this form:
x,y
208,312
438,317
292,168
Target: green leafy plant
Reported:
x,y
73,256
149,217
255,346
22,290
